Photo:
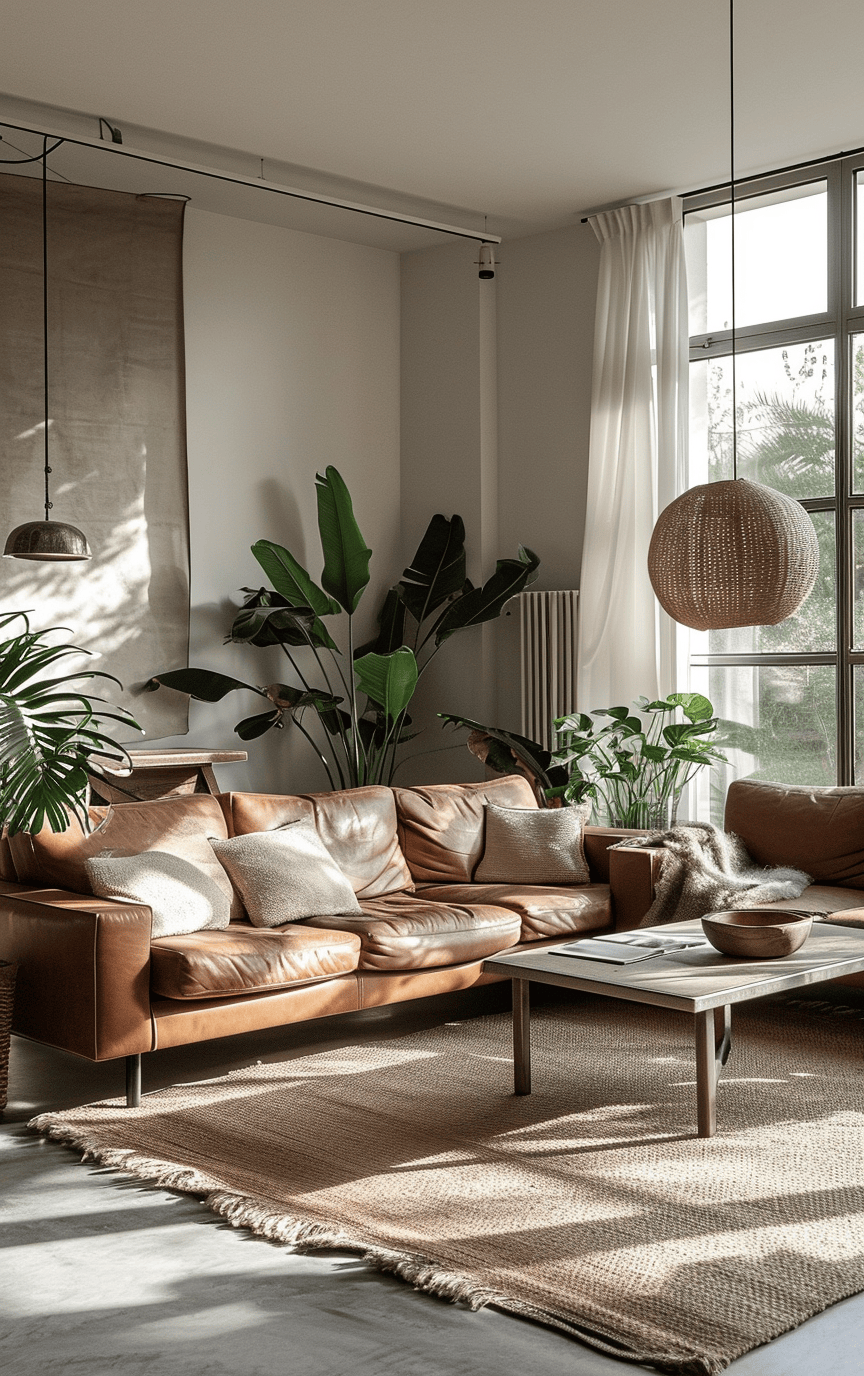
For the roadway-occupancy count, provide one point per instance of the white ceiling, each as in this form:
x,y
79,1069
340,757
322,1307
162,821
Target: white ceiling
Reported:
x,y
530,111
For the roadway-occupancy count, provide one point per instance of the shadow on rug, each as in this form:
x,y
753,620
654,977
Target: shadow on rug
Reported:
x,y
589,1206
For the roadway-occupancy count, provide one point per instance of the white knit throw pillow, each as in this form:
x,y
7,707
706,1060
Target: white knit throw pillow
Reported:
x,y
534,846
181,897
285,875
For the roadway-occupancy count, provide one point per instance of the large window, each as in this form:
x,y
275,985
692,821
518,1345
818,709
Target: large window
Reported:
x,y
793,693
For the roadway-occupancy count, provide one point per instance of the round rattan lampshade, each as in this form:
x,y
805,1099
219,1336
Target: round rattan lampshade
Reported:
x,y
732,554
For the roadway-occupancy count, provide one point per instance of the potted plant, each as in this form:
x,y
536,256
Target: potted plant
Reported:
x,y
633,767
638,766
351,702
50,732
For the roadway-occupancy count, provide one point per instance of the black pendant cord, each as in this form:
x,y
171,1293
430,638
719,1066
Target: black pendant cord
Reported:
x,y
732,231
48,502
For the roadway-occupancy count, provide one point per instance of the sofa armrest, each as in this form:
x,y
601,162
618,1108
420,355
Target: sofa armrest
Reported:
x,y
597,842
633,874
83,981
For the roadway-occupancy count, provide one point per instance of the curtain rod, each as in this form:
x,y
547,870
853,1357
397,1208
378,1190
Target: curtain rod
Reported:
x,y
742,181
357,208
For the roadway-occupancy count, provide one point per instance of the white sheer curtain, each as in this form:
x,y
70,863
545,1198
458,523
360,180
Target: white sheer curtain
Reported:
x,y
638,454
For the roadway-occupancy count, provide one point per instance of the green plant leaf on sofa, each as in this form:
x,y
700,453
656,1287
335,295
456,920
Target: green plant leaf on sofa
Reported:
x,y
291,580
389,680
486,603
346,554
437,570
250,728
260,622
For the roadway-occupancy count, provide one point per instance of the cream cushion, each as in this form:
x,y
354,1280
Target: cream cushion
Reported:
x,y
534,846
181,896
285,875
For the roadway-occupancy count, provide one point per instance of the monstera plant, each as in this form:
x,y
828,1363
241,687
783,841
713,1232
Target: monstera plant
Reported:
x,y
50,732
351,702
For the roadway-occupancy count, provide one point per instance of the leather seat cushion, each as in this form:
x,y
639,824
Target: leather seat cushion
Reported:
x,y
245,960
818,830
442,827
543,910
357,826
406,932
823,898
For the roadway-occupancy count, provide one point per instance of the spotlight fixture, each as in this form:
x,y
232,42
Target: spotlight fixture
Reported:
x,y
48,541
486,261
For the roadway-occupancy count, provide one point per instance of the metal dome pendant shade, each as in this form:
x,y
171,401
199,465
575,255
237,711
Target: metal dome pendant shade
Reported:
x,y
46,541
732,554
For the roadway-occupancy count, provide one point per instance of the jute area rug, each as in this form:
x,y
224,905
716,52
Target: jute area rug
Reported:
x,y
589,1205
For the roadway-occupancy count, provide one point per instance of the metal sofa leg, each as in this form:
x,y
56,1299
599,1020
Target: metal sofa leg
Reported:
x,y
133,1081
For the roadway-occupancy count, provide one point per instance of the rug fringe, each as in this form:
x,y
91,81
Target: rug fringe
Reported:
x,y
259,1217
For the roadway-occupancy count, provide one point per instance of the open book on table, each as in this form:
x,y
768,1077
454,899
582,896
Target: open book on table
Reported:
x,y
625,948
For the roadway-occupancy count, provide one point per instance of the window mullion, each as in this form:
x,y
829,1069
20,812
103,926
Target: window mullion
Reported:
x,y
840,295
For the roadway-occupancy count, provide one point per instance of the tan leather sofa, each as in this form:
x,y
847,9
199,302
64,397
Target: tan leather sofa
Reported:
x,y
818,830
92,982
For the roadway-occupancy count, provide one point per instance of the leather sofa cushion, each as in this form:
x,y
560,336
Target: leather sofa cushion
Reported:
x,y
405,932
441,826
820,898
247,960
818,830
543,910
357,826
179,826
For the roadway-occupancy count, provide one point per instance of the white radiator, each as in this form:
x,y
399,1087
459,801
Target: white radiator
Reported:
x,y
547,637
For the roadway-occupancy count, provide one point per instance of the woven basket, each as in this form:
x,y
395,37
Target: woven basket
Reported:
x,y
7,994
733,554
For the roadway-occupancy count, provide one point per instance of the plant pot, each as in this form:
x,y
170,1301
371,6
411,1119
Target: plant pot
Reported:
x,y
648,814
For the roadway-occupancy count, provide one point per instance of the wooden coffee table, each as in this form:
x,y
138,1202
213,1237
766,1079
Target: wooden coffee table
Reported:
x,y
698,981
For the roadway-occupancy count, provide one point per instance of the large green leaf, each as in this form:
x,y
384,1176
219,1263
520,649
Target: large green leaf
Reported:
x,y
203,684
389,680
391,634
262,622
50,731
437,570
346,554
291,580
486,603
539,761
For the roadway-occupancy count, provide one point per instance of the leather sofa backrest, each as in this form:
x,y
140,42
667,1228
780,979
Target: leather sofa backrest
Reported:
x,y
179,826
357,826
818,830
442,826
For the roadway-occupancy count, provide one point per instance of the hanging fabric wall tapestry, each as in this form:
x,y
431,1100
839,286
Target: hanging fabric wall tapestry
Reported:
x,y
117,425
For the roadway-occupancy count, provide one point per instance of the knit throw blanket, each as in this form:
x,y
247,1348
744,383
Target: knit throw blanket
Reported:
x,y
706,870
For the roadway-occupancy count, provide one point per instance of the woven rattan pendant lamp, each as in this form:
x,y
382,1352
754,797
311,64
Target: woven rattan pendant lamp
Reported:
x,y
46,541
733,553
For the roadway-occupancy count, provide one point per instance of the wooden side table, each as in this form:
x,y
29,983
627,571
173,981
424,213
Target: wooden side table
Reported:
x,y
162,774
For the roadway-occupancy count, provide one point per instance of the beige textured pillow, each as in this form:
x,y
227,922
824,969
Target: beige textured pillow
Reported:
x,y
181,897
285,875
534,846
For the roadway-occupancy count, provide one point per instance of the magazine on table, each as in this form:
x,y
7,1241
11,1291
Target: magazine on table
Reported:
x,y
625,948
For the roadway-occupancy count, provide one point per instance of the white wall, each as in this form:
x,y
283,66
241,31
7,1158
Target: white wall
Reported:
x,y
292,363
495,425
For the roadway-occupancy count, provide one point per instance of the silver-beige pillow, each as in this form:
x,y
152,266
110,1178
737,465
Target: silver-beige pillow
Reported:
x,y
285,875
534,846
181,897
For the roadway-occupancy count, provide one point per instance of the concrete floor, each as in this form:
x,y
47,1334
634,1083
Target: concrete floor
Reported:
x,y
100,1274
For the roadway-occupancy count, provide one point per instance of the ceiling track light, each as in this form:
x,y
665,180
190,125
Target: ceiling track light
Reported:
x,y
486,261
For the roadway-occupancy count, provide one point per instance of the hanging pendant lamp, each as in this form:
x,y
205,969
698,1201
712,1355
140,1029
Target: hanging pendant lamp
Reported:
x,y
48,541
733,553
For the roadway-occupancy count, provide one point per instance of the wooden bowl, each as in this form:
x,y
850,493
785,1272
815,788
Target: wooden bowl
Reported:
x,y
757,933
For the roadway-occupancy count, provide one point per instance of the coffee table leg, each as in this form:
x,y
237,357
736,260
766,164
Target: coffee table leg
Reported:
x,y
521,1037
713,1042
